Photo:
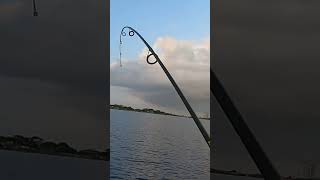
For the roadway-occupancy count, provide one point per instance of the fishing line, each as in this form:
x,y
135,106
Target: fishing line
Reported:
x,y
35,12
120,52
131,33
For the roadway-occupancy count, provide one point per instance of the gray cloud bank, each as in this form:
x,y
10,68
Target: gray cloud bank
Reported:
x,y
139,84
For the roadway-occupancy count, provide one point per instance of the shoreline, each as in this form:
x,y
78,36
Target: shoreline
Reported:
x,y
39,146
150,111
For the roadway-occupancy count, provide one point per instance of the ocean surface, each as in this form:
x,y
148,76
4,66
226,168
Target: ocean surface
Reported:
x,y
150,146
25,166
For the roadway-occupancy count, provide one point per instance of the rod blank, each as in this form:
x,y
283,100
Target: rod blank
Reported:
x,y
35,12
184,100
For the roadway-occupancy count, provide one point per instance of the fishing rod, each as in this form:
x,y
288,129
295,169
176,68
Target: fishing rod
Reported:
x,y
132,32
35,12
256,152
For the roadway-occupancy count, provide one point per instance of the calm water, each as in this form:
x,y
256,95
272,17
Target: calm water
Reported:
x,y
25,166
149,146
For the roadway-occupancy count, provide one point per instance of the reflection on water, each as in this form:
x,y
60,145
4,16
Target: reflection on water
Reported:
x,y
149,146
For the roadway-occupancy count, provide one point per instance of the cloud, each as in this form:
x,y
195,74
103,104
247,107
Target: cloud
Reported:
x,y
187,61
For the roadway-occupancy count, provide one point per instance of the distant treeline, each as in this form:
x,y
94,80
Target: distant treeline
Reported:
x,y
148,110
38,145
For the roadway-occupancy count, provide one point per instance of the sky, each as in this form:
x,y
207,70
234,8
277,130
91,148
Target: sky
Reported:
x,y
266,53
179,31
53,71
188,20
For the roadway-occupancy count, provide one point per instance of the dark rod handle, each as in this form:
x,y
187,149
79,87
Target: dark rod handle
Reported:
x,y
248,139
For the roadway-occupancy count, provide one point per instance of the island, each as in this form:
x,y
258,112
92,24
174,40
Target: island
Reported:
x,y
38,145
148,110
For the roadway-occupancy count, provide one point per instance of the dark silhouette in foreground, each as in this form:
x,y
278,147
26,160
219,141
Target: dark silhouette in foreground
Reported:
x,y
248,139
38,145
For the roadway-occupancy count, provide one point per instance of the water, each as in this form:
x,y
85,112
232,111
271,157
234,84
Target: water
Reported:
x,y
23,166
227,177
149,146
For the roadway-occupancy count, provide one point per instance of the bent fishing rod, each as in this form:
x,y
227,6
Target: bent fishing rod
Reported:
x,y
255,150
132,32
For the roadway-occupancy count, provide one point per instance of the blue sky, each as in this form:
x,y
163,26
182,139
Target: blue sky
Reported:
x,y
181,19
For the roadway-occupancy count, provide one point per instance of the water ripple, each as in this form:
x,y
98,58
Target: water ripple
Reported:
x,y
148,146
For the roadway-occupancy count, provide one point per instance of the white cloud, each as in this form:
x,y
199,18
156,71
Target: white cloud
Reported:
x,y
147,85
